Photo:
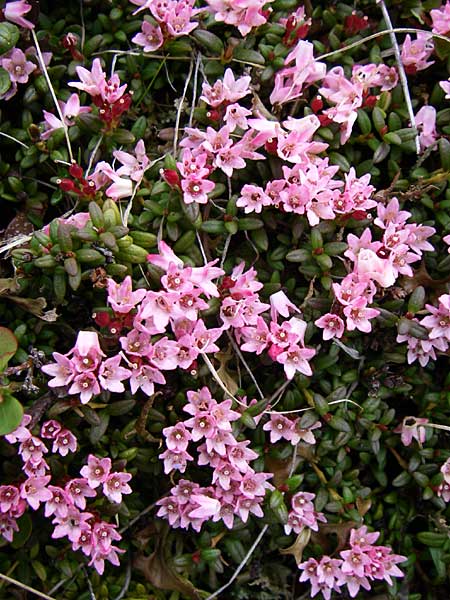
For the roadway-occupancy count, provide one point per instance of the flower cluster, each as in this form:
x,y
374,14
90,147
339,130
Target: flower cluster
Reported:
x,y
235,490
436,329
303,514
108,95
65,503
357,567
169,19
244,14
375,262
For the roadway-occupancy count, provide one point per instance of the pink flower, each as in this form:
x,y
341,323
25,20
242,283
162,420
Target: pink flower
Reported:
x,y
445,85
87,353
63,371
69,109
296,359
96,471
50,429
416,53
281,427
145,377
358,315
121,297
150,37
9,497
177,437
21,433
332,325
115,485
17,65
175,460
34,491
14,11
370,266
426,124
86,385
78,490
59,503
441,19
196,189
110,374
412,428
64,442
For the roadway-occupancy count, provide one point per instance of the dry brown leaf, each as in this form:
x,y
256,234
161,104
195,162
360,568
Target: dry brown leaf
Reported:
x,y
159,571
299,545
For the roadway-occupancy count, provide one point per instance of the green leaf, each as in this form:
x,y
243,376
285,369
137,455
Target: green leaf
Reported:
x,y
9,36
11,412
5,81
25,528
8,346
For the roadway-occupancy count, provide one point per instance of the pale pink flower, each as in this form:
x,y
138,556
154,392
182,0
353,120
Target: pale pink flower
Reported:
x,y
18,67
86,385
21,433
412,428
69,109
34,491
415,54
63,371
196,189
445,85
441,19
78,490
121,296
150,37
14,11
50,429
145,377
281,427
111,375
59,503
9,496
332,325
370,266
359,315
96,471
426,124
64,442
177,437
115,485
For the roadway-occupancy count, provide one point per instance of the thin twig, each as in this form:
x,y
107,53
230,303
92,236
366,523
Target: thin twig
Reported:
x,y
244,362
202,250
300,410
91,589
241,565
52,92
216,376
23,586
83,28
401,72
137,517
225,250
92,156
373,36
13,139
180,109
126,584
198,60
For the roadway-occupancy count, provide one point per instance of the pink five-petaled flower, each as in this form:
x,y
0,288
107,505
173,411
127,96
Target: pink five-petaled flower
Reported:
x,y
63,370
21,433
14,11
50,429
121,297
150,37
281,427
296,359
96,471
78,490
34,491
87,353
177,437
110,374
64,442
441,19
358,315
332,325
69,109
115,485
412,428
17,65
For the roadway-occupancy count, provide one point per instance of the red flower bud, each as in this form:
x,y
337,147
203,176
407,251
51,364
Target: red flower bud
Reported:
x,y
317,104
76,171
324,120
271,145
67,185
102,318
370,101
171,177
359,215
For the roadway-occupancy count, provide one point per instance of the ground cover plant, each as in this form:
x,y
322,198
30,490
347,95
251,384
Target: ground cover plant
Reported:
x,y
224,299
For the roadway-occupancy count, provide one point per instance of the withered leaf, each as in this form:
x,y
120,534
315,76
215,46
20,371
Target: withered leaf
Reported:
x,y
36,307
341,530
159,570
299,545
